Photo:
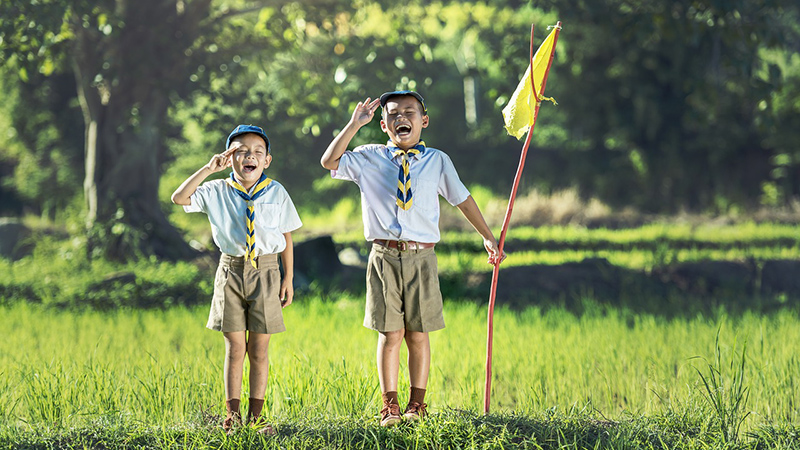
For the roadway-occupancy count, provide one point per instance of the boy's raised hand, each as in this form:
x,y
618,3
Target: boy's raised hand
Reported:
x,y
364,111
222,161
218,163
362,115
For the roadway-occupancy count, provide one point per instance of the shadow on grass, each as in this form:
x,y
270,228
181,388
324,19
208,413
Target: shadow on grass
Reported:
x,y
685,289
680,290
593,285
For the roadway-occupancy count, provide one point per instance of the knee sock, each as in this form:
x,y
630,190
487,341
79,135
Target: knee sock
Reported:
x,y
417,395
390,398
254,409
232,406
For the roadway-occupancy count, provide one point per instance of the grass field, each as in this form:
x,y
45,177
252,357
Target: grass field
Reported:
x,y
108,355
152,378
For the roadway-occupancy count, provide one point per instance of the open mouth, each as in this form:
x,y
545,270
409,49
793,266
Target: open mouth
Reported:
x,y
403,130
247,168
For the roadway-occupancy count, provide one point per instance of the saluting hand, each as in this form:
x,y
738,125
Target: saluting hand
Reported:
x,y
222,161
364,111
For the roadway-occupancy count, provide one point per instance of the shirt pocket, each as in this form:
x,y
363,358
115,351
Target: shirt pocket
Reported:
x,y
267,215
426,193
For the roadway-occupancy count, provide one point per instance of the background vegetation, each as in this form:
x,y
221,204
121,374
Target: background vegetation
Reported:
x,y
650,299
664,106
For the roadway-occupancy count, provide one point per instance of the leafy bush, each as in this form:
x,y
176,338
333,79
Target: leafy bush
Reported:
x,y
59,274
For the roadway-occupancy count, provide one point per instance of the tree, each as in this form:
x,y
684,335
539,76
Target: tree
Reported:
x,y
663,105
41,144
665,95
130,60
306,65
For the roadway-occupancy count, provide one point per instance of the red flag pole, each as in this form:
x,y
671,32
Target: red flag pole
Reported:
x,y
487,392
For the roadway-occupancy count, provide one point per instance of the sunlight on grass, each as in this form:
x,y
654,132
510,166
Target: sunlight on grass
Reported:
x,y
164,367
455,262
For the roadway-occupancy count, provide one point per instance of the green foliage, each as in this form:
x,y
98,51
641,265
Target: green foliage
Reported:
x,y
669,96
44,143
322,62
778,114
41,149
305,96
665,106
121,61
59,274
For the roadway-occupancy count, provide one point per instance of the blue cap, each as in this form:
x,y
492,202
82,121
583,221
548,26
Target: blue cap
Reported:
x,y
387,95
244,129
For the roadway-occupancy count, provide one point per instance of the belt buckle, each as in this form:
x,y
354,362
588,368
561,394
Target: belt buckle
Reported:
x,y
402,246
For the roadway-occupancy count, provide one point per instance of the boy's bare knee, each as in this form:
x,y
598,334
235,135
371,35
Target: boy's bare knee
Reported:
x,y
236,352
235,345
391,338
416,337
257,348
258,357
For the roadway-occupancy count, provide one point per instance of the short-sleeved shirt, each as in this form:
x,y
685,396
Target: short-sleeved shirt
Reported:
x,y
275,214
374,169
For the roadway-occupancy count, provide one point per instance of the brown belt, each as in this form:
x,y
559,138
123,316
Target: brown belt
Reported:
x,y
404,245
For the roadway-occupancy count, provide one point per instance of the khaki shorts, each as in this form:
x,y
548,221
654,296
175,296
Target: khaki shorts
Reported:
x,y
403,290
246,298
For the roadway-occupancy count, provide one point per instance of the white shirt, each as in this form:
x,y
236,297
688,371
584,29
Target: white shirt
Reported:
x,y
274,215
374,169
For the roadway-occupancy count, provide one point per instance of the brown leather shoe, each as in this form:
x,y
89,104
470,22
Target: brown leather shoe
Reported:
x,y
232,420
415,411
390,415
262,426
267,429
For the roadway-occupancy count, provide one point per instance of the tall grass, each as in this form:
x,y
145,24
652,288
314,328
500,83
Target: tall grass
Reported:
x,y
162,367
726,392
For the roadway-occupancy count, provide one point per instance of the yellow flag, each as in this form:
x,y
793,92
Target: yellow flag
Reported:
x,y
518,113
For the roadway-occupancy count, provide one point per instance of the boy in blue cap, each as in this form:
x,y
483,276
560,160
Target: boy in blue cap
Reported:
x,y
252,219
400,184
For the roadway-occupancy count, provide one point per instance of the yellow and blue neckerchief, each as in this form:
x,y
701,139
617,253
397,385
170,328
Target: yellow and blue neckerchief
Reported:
x,y
261,187
404,195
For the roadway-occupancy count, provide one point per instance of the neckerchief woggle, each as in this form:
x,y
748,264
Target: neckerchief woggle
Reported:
x,y
258,191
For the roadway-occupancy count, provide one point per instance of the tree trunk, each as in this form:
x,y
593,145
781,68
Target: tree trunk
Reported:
x,y
125,106
128,220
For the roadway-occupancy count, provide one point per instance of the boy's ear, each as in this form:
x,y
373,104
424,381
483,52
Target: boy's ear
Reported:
x,y
268,160
425,120
383,126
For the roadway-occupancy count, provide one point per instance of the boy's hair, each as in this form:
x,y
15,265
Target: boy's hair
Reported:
x,y
244,129
387,95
